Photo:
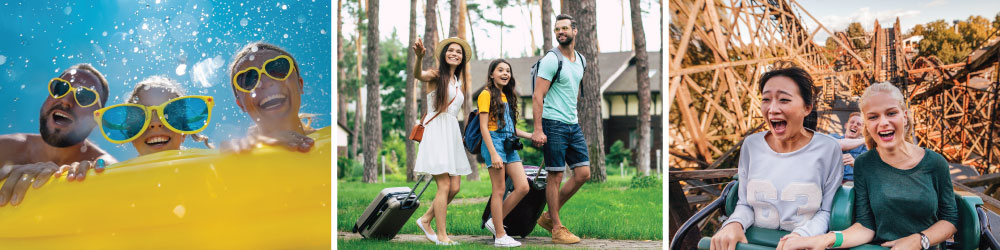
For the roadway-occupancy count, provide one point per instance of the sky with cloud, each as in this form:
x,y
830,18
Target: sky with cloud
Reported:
x,y
836,15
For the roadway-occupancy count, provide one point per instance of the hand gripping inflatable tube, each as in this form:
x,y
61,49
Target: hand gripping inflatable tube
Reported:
x,y
269,198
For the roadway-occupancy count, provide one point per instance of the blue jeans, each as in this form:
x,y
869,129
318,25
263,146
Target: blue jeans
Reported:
x,y
507,155
565,146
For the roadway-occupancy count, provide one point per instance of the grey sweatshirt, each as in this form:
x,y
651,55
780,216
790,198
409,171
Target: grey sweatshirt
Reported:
x,y
788,191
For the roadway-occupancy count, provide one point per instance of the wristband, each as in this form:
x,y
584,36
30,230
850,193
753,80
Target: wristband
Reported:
x,y
840,239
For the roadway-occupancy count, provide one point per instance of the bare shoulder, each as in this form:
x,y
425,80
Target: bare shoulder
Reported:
x,y
14,148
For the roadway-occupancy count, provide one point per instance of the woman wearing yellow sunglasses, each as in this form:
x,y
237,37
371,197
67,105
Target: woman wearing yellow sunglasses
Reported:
x,y
268,87
156,117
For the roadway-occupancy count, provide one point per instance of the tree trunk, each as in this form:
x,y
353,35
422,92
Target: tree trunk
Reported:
x,y
341,74
472,33
373,132
410,116
456,18
458,30
531,31
430,34
645,97
546,25
589,105
563,9
359,112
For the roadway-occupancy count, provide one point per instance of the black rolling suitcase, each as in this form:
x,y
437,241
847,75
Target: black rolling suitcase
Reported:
x,y
523,218
389,211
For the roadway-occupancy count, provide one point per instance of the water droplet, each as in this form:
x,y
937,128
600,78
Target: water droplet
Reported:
x,y
322,31
284,7
253,49
145,26
285,36
68,10
181,69
83,149
252,56
104,33
157,1
22,86
179,211
252,94
135,49
244,22
3,59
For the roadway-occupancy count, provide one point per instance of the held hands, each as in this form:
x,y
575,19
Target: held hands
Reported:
x,y
818,242
727,237
539,139
418,48
905,243
781,243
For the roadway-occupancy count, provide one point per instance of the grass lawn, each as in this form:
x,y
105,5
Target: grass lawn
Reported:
x,y
609,210
378,244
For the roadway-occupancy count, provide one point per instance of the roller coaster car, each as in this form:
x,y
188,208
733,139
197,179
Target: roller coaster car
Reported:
x,y
973,231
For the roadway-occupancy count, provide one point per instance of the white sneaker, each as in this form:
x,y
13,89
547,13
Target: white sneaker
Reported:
x,y
489,226
506,241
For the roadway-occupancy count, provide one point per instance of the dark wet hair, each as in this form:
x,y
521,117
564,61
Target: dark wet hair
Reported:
x,y
104,81
496,99
572,22
805,83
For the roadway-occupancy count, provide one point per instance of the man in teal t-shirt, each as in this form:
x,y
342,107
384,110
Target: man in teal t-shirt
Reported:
x,y
557,130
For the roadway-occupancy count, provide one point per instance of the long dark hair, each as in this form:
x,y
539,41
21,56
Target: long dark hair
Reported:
x,y
806,87
445,76
496,100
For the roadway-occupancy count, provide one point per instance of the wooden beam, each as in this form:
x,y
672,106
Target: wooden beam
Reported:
x,y
703,174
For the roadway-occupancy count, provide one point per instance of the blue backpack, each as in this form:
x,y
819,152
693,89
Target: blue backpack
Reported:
x,y
473,139
559,55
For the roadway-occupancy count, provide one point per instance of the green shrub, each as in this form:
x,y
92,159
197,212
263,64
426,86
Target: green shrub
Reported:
x,y
349,169
618,154
639,181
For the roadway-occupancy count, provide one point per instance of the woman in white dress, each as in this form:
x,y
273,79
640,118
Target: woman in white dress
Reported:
x,y
441,153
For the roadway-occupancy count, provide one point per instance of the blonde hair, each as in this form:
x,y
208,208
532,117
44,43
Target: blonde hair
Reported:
x,y
893,91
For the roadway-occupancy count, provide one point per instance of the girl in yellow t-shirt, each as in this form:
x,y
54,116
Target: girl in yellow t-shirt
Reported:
x,y
498,105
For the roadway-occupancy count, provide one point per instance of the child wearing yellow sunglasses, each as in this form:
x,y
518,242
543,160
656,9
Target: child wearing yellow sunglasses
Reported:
x,y
157,116
268,87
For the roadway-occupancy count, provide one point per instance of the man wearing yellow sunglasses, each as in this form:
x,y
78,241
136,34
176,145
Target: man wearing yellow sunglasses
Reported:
x,y
66,120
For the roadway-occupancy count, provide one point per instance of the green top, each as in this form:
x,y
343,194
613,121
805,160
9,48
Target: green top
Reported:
x,y
560,102
897,203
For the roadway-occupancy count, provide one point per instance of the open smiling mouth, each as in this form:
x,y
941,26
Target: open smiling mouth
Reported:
x,y
272,102
886,135
156,141
61,118
778,125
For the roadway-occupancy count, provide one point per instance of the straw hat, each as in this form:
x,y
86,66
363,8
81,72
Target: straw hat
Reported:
x,y
459,41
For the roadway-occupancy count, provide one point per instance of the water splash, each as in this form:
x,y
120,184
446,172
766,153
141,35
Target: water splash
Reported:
x,y
206,70
244,22
181,69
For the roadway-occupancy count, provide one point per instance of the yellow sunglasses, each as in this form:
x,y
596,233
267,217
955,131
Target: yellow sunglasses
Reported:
x,y
184,115
85,97
277,68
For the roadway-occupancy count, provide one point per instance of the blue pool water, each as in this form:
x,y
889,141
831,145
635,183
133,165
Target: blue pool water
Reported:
x,y
191,42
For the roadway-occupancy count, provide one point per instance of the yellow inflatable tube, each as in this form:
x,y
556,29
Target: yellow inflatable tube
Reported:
x,y
270,198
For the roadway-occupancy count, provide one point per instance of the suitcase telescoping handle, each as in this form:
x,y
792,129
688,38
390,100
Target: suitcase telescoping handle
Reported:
x,y
414,189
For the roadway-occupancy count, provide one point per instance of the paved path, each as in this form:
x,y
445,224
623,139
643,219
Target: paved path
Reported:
x,y
530,241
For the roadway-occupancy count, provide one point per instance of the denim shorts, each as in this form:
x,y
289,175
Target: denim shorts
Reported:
x,y
508,156
565,146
